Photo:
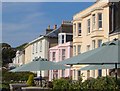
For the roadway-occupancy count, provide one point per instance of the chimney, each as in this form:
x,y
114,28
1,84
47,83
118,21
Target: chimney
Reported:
x,y
48,27
48,30
55,26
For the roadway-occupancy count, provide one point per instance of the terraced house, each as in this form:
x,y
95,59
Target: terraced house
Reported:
x,y
62,51
92,27
39,47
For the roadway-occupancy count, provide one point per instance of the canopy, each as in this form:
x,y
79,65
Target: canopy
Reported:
x,y
39,64
108,53
94,67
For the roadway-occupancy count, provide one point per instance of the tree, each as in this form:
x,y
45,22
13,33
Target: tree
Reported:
x,y
7,53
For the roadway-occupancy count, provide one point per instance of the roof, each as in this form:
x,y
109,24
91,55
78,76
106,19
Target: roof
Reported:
x,y
53,33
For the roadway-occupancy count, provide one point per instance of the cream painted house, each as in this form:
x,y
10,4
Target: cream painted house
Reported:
x,y
90,30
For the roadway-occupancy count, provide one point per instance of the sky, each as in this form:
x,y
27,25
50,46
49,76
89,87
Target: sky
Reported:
x,y
24,21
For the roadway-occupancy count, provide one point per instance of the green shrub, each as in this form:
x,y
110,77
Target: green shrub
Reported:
x,y
99,84
103,83
62,84
30,80
88,84
15,76
117,83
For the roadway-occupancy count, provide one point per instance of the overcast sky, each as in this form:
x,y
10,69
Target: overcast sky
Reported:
x,y
24,21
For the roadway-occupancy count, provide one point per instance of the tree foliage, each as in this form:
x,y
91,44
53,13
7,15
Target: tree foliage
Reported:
x,y
7,53
30,80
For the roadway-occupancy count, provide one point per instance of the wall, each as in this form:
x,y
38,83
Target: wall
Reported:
x,y
96,34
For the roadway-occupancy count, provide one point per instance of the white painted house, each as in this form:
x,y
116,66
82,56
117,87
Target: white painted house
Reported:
x,y
40,46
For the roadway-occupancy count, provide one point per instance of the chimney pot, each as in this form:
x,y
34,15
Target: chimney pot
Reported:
x,y
48,27
55,26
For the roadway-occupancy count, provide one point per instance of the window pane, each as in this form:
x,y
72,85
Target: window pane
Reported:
x,y
100,24
63,73
100,16
79,49
79,73
100,20
100,73
88,25
79,28
88,73
53,56
99,43
74,50
62,38
93,44
40,46
63,54
69,38
93,21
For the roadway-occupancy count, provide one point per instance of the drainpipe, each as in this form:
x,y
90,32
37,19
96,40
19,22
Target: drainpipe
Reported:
x,y
113,13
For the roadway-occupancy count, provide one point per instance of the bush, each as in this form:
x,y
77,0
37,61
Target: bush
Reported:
x,y
4,87
118,83
30,80
66,84
62,84
15,76
88,84
102,83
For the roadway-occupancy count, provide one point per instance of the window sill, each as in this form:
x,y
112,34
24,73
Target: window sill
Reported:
x,y
80,36
101,29
97,30
88,34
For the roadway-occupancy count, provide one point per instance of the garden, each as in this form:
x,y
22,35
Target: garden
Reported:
x,y
63,84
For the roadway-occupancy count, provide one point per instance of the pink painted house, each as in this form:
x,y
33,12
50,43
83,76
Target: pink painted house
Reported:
x,y
60,52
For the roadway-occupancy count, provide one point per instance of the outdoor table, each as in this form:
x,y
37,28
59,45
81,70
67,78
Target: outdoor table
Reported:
x,y
17,86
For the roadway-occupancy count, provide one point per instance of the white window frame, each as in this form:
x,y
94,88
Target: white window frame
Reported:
x,y
79,29
99,42
63,73
100,21
93,44
40,46
79,49
93,21
74,49
63,54
88,26
53,56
